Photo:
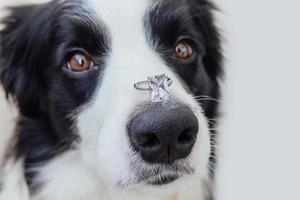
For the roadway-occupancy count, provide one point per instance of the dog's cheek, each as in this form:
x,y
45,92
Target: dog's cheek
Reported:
x,y
113,156
104,141
199,157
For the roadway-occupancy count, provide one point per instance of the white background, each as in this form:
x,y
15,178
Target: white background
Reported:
x,y
260,135
260,142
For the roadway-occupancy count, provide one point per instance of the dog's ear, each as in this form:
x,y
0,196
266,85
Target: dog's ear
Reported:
x,y
202,10
23,51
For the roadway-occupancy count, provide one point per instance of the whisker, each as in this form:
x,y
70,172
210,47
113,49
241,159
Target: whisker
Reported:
x,y
213,119
205,98
211,170
213,156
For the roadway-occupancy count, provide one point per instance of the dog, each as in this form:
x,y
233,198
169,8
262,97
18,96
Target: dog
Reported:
x,y
116,99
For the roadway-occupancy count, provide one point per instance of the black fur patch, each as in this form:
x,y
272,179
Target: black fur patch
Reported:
x,y
35,45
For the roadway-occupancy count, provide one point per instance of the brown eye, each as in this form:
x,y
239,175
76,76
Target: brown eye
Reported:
x,y
79,62
183,50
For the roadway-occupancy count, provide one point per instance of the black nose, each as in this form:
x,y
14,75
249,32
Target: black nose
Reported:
x,y
164,136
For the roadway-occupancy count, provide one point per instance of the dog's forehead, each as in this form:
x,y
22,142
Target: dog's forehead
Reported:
x,y
118,14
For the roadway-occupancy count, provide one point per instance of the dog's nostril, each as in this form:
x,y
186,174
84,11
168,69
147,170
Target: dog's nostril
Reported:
x,y
186,137
148,141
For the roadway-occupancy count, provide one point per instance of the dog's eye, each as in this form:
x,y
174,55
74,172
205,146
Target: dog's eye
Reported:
x,y
183,50
79,62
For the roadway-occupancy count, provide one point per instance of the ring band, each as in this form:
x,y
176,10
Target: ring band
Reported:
x,y
145,85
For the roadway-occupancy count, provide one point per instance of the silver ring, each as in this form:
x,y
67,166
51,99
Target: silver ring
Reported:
x,y
145,85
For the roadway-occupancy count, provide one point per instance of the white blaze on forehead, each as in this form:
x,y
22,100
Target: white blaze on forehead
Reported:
x,y
124,19
116,11
130,51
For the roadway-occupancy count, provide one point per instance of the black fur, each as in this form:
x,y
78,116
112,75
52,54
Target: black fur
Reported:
x,y
37,40
35,44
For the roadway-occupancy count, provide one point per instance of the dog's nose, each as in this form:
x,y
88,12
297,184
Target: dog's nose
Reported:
x,y
164,136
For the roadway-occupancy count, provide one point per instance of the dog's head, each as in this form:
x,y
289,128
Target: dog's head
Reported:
x,y
73,64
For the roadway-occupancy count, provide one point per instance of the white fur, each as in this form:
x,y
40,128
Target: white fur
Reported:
x,y
76,181
14,184
102,161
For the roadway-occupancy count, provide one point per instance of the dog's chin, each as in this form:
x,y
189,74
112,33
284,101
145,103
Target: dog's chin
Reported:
x,y
153,182
159,175
162,179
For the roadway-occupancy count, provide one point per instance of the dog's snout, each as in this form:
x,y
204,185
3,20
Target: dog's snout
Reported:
x,y
164,136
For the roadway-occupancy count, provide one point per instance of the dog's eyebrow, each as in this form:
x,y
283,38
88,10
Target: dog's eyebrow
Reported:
x,y
80,14
77,26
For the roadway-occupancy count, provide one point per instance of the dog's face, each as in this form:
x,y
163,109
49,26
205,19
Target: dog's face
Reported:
x,y
73,64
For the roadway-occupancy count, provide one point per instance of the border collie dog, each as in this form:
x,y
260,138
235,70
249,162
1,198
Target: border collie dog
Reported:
x,y
84,132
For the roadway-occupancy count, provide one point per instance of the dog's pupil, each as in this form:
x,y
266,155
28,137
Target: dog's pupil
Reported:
x,y
182,50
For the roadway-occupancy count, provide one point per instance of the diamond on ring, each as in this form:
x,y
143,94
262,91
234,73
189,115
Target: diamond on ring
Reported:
x,y
158,86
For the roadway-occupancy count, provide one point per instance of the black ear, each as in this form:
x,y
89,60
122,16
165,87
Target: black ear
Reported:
x,y
22,52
